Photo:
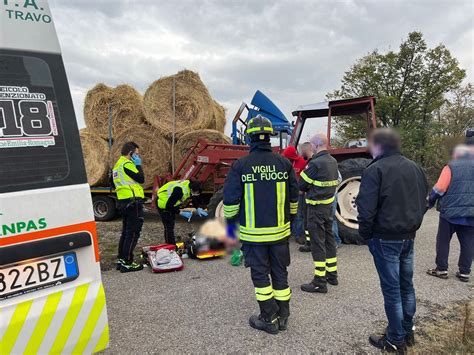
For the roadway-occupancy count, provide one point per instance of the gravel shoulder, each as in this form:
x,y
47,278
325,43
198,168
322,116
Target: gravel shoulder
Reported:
x,y
205,307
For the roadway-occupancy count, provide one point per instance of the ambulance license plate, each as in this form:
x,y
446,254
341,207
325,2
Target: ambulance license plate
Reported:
x,y
37,274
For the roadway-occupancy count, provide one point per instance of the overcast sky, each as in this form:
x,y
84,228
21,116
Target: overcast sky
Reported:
x,y
294,51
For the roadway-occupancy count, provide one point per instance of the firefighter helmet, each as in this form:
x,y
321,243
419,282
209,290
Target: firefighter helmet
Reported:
x,y
259,125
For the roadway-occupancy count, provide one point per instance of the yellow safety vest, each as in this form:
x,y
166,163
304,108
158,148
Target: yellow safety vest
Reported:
x,y
125,186
165,191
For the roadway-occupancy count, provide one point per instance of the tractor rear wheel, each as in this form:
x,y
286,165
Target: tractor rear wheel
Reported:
x,y
346,214
216,205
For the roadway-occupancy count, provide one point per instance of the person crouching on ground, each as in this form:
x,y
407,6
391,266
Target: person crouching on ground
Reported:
x,y
454,192
172,196
391,205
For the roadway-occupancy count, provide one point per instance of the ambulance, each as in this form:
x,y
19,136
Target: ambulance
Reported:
x,y
51,294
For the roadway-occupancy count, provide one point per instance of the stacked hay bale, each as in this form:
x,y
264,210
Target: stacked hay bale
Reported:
x,y
125,103
194,107
148,121
219,117
96,152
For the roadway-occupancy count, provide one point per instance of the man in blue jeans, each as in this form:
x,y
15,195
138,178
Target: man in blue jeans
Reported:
x,y
391,204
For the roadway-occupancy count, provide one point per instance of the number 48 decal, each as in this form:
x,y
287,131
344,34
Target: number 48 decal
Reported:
x,y
34,119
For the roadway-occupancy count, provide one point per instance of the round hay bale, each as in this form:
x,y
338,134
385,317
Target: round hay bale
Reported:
x,y
189,139
96,106
194,105
96,153
127,109
219,117
154,150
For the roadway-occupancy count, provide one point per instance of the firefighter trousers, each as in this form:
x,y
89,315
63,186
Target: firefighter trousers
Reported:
x,y
132,222
268,268
323,244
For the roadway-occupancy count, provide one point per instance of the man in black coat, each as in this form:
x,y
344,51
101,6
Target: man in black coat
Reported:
x,y
391,205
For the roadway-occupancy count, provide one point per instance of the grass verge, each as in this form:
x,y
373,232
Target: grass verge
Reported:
x,y
450,331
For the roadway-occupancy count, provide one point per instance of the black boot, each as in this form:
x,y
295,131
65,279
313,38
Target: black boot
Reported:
x,y
332,279
306,248
282,323
382,343
283,314
315,286
269,325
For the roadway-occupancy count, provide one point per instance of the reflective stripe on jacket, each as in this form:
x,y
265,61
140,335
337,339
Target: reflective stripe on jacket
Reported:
x,y
320,179
165,191
125,186
261,192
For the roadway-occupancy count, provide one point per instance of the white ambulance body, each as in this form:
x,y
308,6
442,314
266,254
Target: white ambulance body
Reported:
x,y
51,294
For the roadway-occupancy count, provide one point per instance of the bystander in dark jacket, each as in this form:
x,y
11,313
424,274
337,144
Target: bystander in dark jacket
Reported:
x,y
391,204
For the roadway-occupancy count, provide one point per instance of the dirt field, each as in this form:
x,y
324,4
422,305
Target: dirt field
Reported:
x,y
205,307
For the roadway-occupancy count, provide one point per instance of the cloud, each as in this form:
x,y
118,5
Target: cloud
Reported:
x,y
294,51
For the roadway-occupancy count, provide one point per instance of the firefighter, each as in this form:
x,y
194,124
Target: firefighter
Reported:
x,y
319,181
261,194
127,176
171,197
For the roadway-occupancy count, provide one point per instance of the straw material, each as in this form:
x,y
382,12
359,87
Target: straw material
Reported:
x,y
96,152
189,139
126,105
194,105
219,117
154,150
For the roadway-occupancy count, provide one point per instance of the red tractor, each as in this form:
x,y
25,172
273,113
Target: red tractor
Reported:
x,y
209,162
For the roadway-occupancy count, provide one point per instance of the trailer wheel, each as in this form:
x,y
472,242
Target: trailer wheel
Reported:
x,y
104,208
346,213
216,205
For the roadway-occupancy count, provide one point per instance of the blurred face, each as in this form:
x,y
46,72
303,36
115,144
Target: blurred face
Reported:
x,y
306,151
375,149
318,147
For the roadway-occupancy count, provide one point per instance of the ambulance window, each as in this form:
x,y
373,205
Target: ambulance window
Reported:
x,y
35,150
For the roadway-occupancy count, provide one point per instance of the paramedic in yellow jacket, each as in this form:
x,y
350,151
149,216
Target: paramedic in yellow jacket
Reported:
x,y
128,175
171,197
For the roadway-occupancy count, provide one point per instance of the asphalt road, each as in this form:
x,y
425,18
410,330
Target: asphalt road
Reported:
x,y
205,307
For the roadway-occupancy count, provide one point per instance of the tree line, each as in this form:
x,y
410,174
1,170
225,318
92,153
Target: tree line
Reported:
x,y
419,91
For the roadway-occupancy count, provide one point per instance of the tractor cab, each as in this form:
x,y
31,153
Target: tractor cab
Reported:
x,y
261,105
320,117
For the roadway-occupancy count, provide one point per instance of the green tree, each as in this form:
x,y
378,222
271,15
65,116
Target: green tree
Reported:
x,y
457,114
411,86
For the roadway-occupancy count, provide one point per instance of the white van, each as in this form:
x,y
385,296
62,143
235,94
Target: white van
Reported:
x,y
51,294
